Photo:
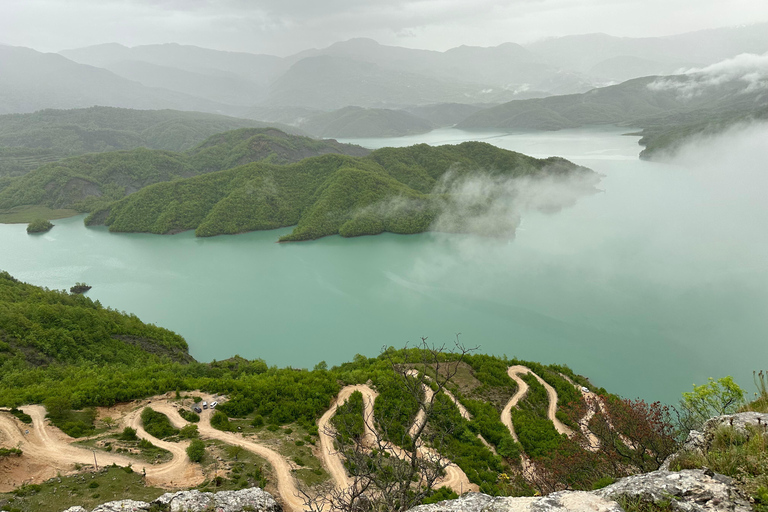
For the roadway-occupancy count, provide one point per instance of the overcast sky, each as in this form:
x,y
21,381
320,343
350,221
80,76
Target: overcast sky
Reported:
x,y
282,27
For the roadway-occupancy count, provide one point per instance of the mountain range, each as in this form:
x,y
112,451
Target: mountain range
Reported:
x,y
358,72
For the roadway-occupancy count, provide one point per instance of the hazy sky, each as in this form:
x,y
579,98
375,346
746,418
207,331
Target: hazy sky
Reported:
x,y
283,27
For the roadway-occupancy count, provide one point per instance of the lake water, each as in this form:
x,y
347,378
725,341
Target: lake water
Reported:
x,y
657,282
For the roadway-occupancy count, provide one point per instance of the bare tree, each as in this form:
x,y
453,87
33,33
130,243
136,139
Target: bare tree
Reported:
x,y
392,468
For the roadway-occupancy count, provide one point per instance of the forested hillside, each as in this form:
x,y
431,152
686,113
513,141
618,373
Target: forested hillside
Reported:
x,y
30,140
399,190
46,328
90,181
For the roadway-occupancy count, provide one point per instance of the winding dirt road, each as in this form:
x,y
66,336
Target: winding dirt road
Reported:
x,y
331,458
591,399
179,468
50,446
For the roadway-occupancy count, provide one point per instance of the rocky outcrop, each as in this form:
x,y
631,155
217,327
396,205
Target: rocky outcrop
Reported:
x,y
253,499
686,491
556,502
743,424
689,490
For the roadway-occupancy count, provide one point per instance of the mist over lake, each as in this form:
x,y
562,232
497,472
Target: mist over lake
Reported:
x,y
656,282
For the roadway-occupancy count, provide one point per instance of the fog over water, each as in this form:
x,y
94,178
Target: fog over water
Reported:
x,y
657,281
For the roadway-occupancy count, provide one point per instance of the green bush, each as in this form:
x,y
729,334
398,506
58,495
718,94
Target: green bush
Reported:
x,y
128,434
22,416
189,432
220,421
196,450
157,424
190,416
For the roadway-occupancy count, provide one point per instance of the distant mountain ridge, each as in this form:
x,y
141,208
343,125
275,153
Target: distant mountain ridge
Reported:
x,y
382,76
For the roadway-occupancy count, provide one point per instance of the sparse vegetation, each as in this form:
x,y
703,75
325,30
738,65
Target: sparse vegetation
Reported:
x,y
59,493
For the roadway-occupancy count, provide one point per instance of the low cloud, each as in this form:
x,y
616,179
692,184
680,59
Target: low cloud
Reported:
x,y
748,70
491,205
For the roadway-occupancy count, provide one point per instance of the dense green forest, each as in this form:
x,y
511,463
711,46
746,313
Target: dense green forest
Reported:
x,y
28,141
90,181
392,189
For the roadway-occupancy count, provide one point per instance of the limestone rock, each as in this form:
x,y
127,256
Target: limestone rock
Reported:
x,y
564,501
224,501
686,491
123,506
689,490
739,422
700,442
195,501
695,443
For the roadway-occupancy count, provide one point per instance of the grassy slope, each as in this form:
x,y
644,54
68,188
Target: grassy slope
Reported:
x,y
390,190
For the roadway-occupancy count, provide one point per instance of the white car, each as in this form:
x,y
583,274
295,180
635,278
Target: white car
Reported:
x,y
214,404
585,389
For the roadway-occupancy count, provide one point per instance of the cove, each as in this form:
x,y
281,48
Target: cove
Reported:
x,y
655,283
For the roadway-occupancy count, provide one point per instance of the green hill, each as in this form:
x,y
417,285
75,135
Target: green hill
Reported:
x,y
40,327
89,181
390,190
30,140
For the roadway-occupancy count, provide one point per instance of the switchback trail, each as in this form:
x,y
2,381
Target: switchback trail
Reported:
x,y
454,477
286,485
180,468
332,460
591,399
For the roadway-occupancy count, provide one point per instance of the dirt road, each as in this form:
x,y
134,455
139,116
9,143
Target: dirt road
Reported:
x,y
331,458
591,399
179,471
52,448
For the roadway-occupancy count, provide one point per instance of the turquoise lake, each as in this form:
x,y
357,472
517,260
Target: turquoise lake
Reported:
x,y
657,282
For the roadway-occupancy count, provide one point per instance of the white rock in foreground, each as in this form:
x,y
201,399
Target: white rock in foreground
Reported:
x,y
686,491
253,499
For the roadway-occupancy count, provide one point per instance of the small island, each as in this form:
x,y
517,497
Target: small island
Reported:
x,y
39,226
79,288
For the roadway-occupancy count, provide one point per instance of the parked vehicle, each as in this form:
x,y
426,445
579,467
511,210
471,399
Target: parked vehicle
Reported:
x,y
197,410
585,389
214,404
205,405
